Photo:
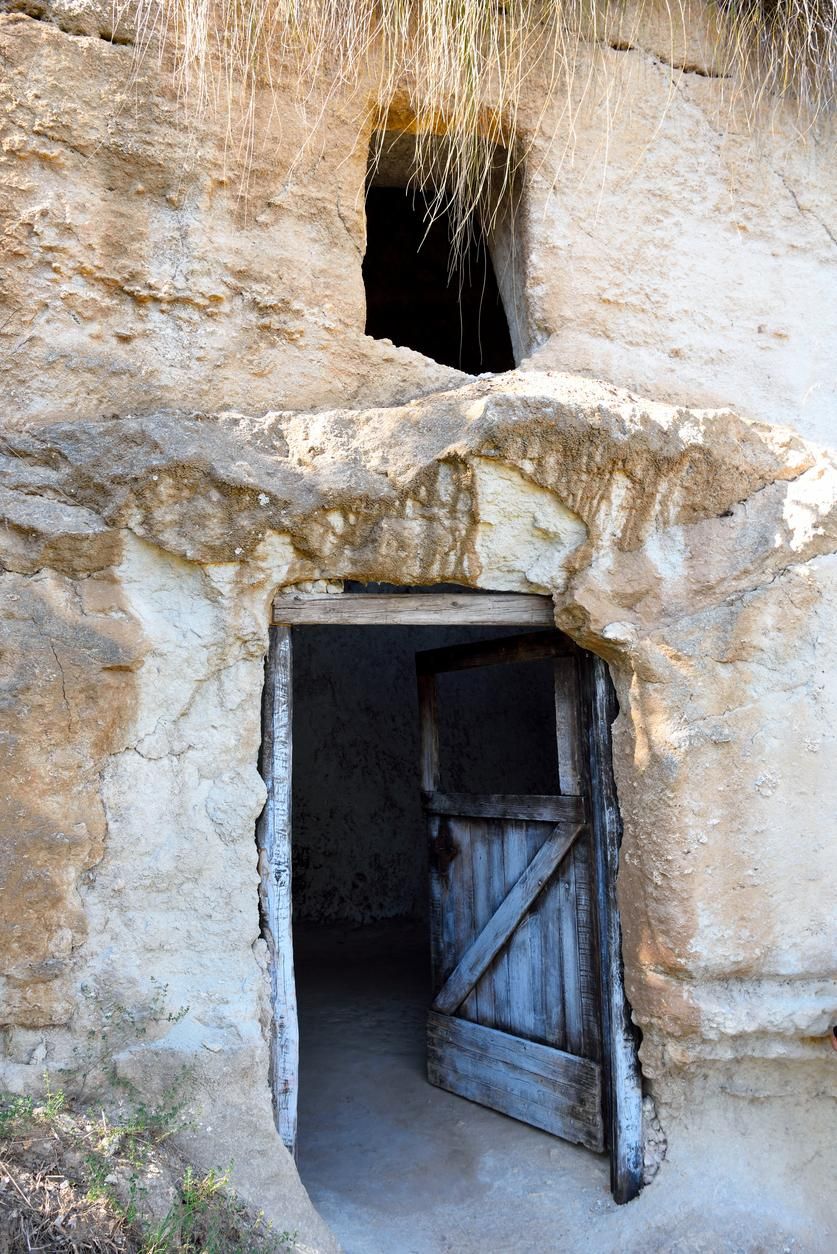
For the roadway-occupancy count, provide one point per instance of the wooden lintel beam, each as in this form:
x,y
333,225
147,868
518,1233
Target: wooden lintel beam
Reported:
x,y
419,609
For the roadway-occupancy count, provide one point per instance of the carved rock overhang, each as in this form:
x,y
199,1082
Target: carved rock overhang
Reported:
x,y
734,501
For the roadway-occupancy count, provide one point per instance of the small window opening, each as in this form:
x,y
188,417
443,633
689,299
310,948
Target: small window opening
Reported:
x,y
422,291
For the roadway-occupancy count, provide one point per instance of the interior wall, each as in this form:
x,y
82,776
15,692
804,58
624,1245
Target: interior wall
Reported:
x,y
359,843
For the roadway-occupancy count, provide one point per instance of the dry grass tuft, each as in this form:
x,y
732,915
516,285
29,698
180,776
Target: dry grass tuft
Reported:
x,y
76,1183
42,1209
783,48
451,56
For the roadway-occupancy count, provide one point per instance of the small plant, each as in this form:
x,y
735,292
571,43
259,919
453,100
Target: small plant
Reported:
x,y
199,1197
16,1109
97,1170
55,1100
162,1120
13,1109
207,1218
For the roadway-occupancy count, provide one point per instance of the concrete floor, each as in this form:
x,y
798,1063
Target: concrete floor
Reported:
x,y
396,1166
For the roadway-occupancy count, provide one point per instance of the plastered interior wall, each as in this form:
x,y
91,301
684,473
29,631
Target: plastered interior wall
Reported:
x,y
359,837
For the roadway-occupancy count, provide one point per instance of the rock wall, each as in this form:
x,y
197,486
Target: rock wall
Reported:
x,y
679,253
193,419
660,242
695,550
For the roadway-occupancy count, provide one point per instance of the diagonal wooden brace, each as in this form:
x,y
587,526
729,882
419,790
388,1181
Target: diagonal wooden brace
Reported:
x,y
506,917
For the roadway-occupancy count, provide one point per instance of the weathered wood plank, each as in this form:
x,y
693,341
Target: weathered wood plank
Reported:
x,y
578,966
463,906
622,1079
567,726
273,834
484,907
540,1085
576,1080
572,887
436,609
429,732
531,1056
503,922
550,904
503,1071
446,856
588,970
502,1090
497,973
519,806
570,984
535,928
440,969
521,975
533,647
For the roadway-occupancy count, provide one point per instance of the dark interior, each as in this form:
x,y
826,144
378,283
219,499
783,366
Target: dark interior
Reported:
x,y
359,842
424,295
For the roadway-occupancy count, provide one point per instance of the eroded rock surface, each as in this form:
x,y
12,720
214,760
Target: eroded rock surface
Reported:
x,y
663,240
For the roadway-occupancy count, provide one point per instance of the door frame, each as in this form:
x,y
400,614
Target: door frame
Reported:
x,y
622,1080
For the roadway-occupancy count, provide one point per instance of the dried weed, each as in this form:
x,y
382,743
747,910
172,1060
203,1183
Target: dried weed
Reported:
x,y
74,1183
451,57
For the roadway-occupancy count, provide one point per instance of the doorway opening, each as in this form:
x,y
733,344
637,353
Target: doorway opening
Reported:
x,y
445,854
424,291
374,1137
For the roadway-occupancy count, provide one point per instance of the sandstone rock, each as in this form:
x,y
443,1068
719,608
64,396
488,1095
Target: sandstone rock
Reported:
x,y
193,418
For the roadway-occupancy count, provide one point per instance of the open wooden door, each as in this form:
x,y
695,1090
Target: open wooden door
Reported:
x,y
522,959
